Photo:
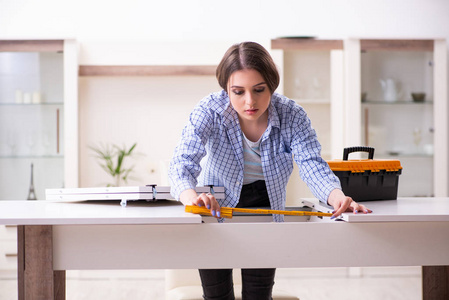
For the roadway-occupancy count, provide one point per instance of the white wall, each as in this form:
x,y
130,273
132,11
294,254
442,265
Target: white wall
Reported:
x,y
217,20
148,110
153,110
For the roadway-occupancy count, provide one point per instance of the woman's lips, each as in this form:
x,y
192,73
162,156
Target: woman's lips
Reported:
x,y
251,111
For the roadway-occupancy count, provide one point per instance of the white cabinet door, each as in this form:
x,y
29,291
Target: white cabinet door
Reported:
x,y
387,74
38,117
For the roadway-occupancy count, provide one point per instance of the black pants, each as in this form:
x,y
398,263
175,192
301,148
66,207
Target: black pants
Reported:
x,y
257,284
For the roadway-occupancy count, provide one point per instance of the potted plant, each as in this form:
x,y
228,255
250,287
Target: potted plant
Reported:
x,y
112,158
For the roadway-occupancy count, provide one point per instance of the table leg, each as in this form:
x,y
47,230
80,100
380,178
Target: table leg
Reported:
x,y
59,288
36,278
20,261
435,281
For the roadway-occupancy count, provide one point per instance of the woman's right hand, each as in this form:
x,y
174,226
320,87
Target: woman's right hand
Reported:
x,y
190,197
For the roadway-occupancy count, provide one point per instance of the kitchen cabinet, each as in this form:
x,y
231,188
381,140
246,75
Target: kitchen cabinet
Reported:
x,y
358,92
38,116
312,74
38,124
381,77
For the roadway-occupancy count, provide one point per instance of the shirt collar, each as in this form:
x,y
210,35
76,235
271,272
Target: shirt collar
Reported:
x,y
273,116
222,106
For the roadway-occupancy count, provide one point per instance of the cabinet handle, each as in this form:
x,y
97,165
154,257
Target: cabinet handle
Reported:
x,y
57,130
366,126
11,254
10,226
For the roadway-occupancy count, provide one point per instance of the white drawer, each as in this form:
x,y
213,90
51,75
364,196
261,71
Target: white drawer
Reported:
x,y
8,232
8,255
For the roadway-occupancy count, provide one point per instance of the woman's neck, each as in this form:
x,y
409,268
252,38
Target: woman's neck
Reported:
x,y
253,130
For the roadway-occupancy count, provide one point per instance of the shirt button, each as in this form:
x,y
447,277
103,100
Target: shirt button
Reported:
x,y
237,183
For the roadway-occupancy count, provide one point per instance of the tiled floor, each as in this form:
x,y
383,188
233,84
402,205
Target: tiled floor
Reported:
x,y
308,284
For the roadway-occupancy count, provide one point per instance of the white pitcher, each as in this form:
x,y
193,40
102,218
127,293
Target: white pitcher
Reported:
x,y
390,90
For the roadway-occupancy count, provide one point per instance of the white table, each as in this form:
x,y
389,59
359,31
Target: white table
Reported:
x,y
54,237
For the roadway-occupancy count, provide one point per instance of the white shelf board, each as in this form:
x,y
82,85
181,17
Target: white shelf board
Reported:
x,y
312,101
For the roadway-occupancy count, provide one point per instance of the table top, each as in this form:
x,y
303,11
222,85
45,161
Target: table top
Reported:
x,y
45,212
404,209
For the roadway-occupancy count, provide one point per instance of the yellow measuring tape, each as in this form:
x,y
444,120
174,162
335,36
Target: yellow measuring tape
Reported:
x,y
226,212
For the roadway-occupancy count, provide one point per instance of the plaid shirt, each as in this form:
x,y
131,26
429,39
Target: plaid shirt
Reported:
x,y
213,133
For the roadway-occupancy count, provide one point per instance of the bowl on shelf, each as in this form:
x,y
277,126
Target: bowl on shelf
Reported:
x,y
419,97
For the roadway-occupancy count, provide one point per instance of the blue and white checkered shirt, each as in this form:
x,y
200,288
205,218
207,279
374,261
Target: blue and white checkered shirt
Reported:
x,y
213,133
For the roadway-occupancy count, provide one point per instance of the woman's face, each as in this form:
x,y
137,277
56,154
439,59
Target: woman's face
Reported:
x,y
249,95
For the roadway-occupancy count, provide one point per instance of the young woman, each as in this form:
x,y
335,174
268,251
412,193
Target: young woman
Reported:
x,y
246,138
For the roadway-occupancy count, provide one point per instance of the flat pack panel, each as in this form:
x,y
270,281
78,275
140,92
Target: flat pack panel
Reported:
x,y
400,210
149,192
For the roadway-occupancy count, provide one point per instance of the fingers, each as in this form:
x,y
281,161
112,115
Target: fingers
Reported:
x,y
347,204
350,205
341,207
338,211
208,200
361,208
355,207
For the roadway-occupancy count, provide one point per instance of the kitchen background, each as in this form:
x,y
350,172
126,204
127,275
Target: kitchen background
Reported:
x,y
152,110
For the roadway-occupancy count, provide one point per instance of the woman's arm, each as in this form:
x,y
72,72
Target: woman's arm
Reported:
x,y
185,164
316,172
306,150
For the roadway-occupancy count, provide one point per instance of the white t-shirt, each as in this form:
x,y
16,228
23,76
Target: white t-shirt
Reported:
x,y
253,163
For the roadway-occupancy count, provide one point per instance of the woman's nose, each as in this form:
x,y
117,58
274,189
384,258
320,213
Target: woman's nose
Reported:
x,y
250,99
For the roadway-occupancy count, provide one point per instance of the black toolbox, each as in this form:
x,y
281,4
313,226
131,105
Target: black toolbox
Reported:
x,y
367,179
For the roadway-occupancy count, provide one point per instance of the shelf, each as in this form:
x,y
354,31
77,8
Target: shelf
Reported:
x,y
396,103
31,45
404,155
306,44
174,70
312,101
33,104
30,156
396,45
365,45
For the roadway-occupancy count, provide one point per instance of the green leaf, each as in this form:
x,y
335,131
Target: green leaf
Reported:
x,y
131,149
107,154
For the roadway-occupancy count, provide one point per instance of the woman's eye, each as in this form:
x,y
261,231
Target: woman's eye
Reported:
x,y
238,92
260,90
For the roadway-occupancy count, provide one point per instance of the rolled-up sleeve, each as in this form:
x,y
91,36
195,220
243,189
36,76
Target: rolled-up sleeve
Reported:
x,y
185,164
306,149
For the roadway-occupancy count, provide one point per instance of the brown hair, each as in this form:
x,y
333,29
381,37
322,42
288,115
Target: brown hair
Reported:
x,y
248,55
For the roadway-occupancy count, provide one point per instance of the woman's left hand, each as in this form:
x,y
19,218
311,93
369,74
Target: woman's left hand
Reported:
x,y
342,203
